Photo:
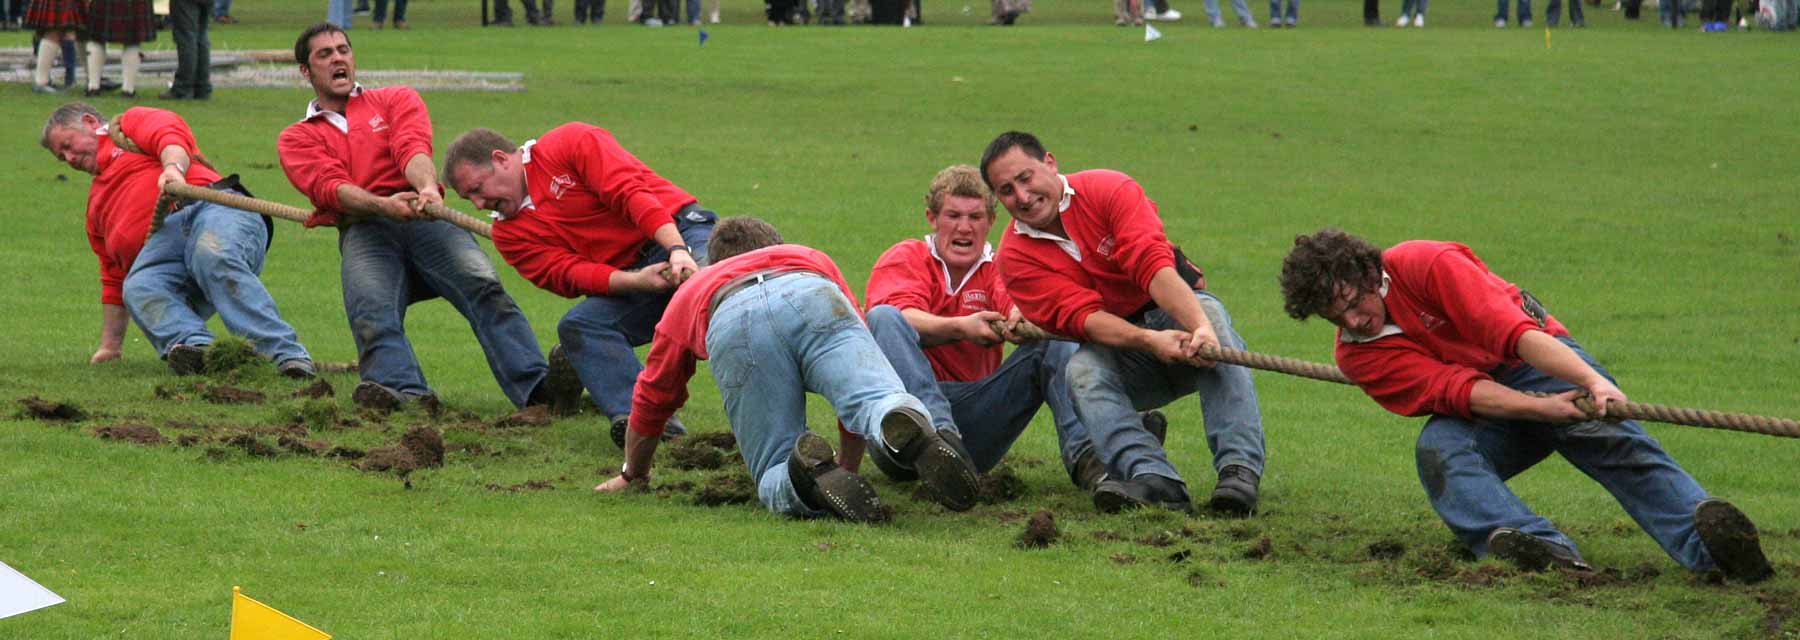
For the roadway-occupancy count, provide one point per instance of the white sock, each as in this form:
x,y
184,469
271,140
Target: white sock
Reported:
x,y
47,50
95,62
133,58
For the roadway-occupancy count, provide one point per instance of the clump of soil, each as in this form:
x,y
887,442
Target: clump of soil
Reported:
x,y
1180,556
725,488
318,413
320,388
684,455
1260,549
1386,549
346,453
533,416
1040,531
665,490
1780,607
1432,562
41,409
252,445
426,446
230,354
723,440
528,485
188,439
396,459
302,446
227,394
1159,539
1000,485
137,433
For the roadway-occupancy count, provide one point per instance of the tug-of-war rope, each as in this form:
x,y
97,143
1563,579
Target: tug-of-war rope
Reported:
x,y
433,211
1614,411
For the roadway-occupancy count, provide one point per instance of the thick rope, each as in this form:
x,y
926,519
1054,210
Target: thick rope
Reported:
x,y
296,214
1614,411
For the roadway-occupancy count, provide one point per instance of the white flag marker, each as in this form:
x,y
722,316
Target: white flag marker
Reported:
x,y
18,594
1150,32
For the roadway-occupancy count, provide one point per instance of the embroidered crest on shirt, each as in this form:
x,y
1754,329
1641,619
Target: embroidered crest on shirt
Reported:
x,y
116,152
1105,248
377,123
560,185
975,300
1430,322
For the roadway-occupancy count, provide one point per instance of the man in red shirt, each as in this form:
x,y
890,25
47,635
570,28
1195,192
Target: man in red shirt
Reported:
x,y
363,157
1086,258
940,314
580,216
777,320
1425,328
204,257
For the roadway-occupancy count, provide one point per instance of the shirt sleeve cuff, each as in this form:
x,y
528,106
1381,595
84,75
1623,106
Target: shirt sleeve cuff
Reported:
x,y
592,278
649,213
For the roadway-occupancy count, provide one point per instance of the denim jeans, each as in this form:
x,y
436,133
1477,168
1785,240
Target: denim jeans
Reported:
x,y
389,264
1239,7
1112,385
772,342
990,413
1552,9
380,13
188,20
1464,466
1410,8
338,12
600,332
206,258
1293,11
1524,10
221,8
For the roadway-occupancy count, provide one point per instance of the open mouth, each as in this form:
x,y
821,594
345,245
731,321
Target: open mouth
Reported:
x,y
340,74
962,244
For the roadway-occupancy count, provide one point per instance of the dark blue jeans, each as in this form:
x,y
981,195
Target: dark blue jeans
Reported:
x,y
390,264
1464,465
600,332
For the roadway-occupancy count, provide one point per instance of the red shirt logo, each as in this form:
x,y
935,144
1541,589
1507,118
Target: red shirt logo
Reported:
x,y
560,185
975,300
377,124
1105,248
1430,322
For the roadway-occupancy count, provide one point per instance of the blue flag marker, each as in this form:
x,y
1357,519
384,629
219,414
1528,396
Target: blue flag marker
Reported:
x,y
703,36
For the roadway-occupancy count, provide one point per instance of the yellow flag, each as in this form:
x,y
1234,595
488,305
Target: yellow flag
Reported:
x,y
252,620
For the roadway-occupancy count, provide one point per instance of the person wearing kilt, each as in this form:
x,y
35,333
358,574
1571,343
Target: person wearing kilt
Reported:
x,y
126,22
57,23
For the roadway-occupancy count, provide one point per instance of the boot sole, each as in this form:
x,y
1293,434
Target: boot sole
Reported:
x,y
1731,538
187,361
564,384
375,399
1232,502
948,475
848,496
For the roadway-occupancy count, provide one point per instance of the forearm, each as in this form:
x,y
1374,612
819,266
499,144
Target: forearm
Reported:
x,y
640,454
112,326
1176,298
933,330
176,156
669,235
1489,399
356,200
421,174
1551,356
1113,331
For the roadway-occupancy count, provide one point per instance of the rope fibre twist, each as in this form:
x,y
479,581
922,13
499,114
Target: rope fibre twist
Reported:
x,y
296,214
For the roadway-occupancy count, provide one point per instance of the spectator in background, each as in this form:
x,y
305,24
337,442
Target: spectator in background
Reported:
x,y
12,13
338,13
1293,14
126,22
1007,12
193,50
1125,12
1239,7
1524,13
381,12
1371,13
586,10
1413,11
1160,10
222,12
57,23
1577,20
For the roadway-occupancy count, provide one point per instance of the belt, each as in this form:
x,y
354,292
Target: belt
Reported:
x,y
739,283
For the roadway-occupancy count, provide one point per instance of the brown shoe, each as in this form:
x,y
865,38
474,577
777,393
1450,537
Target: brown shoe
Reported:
x,y
1731,538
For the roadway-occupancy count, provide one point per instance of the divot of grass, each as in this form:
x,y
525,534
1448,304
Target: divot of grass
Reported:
x,y
134,433
1040,531
40,409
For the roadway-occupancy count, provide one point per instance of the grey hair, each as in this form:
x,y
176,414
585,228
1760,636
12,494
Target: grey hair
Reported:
x,y
68,115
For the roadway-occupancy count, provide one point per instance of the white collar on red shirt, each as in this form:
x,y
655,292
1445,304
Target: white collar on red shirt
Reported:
x,y
336,119
524,159
1068,246
1389,329
987,255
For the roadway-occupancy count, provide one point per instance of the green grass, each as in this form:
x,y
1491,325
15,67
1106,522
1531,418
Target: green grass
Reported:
x,y
1639,180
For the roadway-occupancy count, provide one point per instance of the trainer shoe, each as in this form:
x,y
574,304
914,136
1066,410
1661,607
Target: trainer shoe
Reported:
x,y
1731,538
825,486
1113,496
1525,24
671,430
1419,20
375,397
938,457
562,384
1149,14
1499,23
1172,15
1532,553
1402,22
187,359
297,368
1236,491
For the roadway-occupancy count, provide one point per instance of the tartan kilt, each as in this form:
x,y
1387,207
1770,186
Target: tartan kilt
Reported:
x,y
56,15
120,21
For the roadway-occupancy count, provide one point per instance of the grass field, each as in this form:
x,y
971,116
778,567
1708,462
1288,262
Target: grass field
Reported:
x,y
1639,180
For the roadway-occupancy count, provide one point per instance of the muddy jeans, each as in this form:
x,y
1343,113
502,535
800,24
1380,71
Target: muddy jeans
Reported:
x,y
600,332
388,265
773,341
1464,465
990,413
207,257
1112,385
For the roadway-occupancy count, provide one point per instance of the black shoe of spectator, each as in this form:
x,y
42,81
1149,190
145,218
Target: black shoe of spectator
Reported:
x,y
825,486
1236,491
1113,496
187,359
937,456
1731,538
174,95
1532,553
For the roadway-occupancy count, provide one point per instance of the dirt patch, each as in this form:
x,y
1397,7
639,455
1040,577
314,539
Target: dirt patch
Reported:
x,y
346,453
1040,531
686,455
40,409
188,439
1180,556
1385,549
1123,558
1260,549
1779,607
396,459
230,354
137,433
1009,517
252,445
1243,532
1483,575
426,445
302,446
320,388
671,488
1159,539
1000,485
528,485
533,416
716,439
725,488
227,394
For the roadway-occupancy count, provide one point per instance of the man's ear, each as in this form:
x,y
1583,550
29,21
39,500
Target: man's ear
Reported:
x,y
91,121
1050,159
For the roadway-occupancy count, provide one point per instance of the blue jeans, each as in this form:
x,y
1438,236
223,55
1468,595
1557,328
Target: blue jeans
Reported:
x,y
221,8
339,12
1239,7
1409,8
389,264
380,13
774,341
1464,465
990,413
1551,10
600,332
1293,11
1524,10
206,258
1112,385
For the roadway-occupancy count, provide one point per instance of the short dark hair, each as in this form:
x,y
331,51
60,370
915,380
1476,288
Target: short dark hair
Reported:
x,y
303,46
739,235
476,147
1024,141
1323,262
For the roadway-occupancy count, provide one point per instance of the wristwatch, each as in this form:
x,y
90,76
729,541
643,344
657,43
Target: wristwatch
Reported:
x,y
681,247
